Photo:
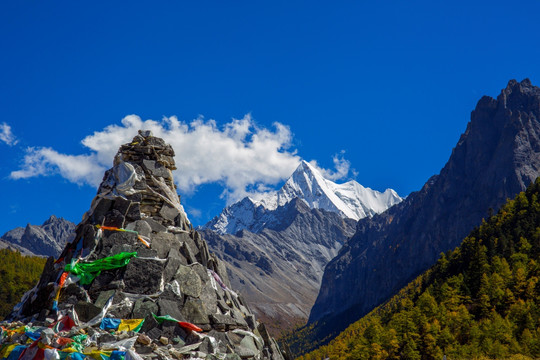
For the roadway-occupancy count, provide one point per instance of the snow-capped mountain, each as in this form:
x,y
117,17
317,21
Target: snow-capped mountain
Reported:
x,y
349,200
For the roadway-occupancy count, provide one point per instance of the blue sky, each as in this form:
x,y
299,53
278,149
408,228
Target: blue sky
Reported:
x,y
387,87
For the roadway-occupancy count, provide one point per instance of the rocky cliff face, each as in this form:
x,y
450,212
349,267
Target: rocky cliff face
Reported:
x,y
496,157
279,269
47,239
136,259
13,247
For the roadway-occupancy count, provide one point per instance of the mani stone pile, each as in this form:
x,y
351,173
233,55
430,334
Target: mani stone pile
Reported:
x,y
137,281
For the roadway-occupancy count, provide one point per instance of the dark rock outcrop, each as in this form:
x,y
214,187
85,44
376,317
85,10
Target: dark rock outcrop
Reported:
x,y
496,157
279,269
136,256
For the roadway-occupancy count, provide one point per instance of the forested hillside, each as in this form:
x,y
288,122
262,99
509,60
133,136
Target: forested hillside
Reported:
x,y
17,275
480,300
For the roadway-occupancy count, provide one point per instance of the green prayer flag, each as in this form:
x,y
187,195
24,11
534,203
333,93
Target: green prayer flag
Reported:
x,y
78,342
161,319
87,272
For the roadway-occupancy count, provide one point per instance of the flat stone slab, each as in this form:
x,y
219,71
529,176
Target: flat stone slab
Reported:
x,y
172,308
143,276
86,311
144,308
195,312
190,283
163,242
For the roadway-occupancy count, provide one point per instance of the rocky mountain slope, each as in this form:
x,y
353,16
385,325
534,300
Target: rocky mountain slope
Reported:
x,y
349,200
479,301
279,269
137,281
496,157
276,246
47,239
13,247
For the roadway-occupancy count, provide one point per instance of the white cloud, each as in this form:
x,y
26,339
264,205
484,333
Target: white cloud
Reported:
x,y
6,135
79,169
241,156
193,212
342,167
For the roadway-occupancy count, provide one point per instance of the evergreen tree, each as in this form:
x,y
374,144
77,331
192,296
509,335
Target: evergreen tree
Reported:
x,y
481,300
18,274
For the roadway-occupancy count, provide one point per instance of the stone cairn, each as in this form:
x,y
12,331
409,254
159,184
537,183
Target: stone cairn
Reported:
x,y
137,282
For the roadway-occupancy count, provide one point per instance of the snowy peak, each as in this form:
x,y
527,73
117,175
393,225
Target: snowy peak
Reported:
x,y
365,201
308,184
349,200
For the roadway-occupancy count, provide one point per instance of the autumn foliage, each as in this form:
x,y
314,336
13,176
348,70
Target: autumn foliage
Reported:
x,y
18,274
481,300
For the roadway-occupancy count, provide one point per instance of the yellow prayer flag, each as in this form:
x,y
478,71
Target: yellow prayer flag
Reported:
x,y
130,324
5,351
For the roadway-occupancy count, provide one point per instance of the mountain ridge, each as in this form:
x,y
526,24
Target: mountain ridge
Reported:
x,y
349,200
47,239
497,155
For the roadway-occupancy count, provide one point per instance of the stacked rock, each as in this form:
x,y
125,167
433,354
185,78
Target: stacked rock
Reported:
x,y
138,276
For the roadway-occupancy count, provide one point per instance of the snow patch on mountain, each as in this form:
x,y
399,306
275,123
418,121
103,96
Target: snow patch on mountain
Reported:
x,y
349,200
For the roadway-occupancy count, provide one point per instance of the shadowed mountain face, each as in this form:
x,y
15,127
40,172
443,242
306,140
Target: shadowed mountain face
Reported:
x,y
47,239
496,157
279,269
